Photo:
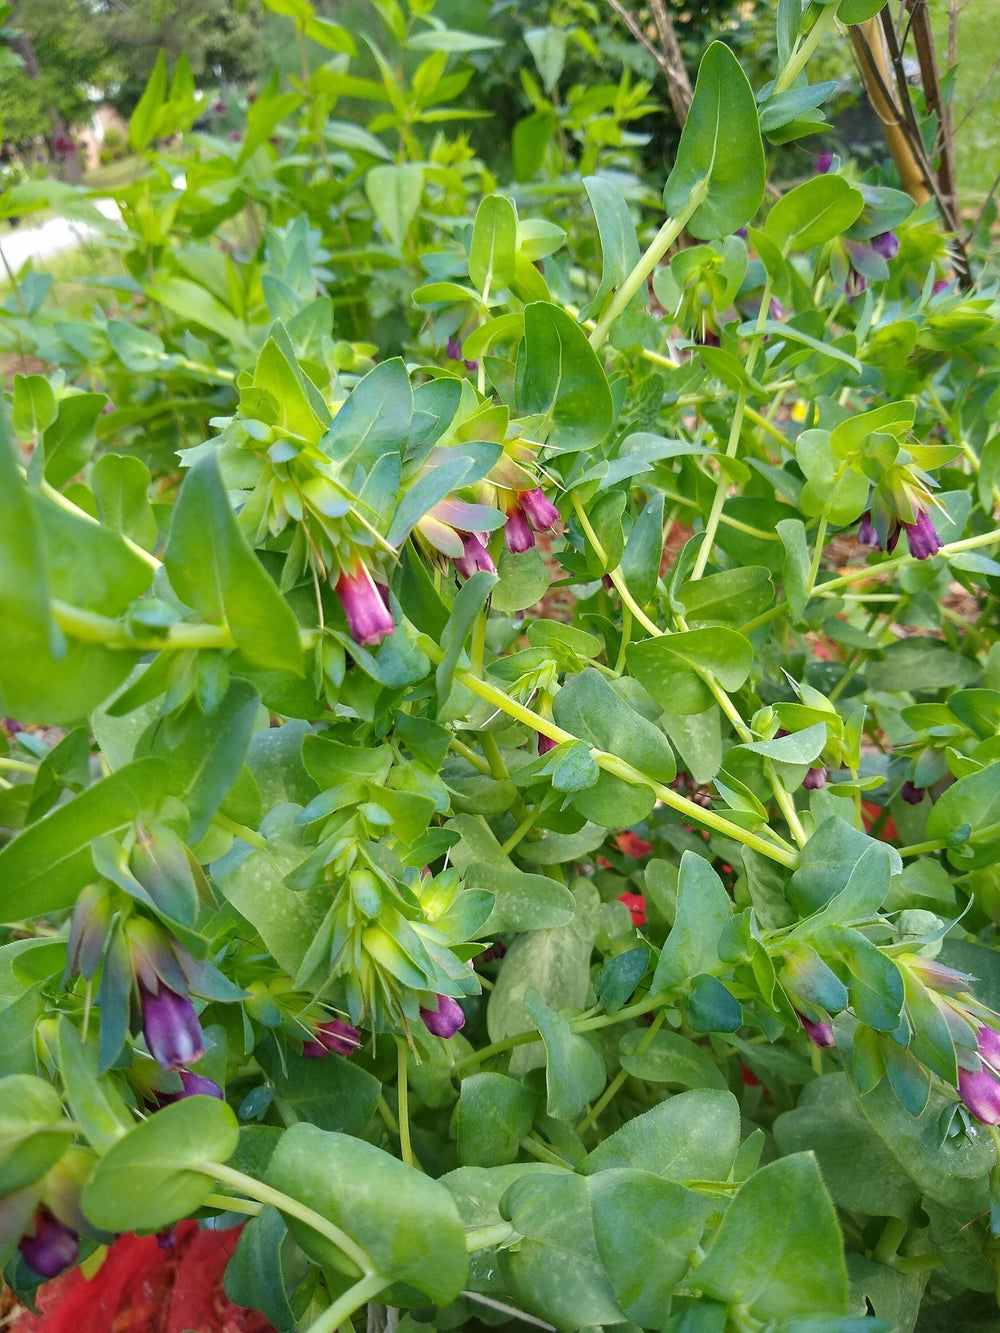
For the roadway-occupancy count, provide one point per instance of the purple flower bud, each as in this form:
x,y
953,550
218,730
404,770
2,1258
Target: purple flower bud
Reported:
x,y
368,618
988,1043
814,779
52,1248
886,244
912,794
545,744
542,513
820,1034
447,1020
336,1036
922,537
867,536
776,310
824,161
855,283
517,534
89,928
941,285
475,557
192,1085
471,365
980,1091
454,350
166,1239
742,233
171,1028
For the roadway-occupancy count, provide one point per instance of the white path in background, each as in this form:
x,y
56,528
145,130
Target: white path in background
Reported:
x,y
51,236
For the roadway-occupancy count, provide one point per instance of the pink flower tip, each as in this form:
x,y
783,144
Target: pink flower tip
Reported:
x,y
820,1034
815,779
541,512
336,1036
922,538
446,1020
368,617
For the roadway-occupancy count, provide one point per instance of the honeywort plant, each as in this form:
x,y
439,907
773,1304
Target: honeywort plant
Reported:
x,y
514,819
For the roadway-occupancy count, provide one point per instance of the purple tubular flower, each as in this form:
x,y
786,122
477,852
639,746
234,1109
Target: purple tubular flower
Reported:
x,y
474,557
171,1028
52,1249
820,1034
814,779
855,283
517,533
368,618
192,1085
886,244
823,163
776,310
867,536
545,744
471,365
922,537
980,1091
742,233
336,1036
542,513
447,1020
941,285
454,350
911,793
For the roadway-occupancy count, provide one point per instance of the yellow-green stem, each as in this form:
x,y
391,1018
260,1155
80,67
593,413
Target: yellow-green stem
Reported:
x,y
402,1094
353,1299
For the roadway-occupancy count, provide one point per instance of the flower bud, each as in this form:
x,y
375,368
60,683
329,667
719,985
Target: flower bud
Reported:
x,y
368,618
446,1020
171,1028
336,1036
820,1034
886,244
922,537
51,1247
542,513
545,744
89,928
815,779
912,794
980,1091
823,163
475,557
517,533
192,1085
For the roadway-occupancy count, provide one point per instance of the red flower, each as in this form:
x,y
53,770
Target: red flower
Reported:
x,y
636,905
630,844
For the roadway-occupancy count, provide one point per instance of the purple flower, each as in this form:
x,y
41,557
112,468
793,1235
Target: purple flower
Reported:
x,y
981,1091
192,1085
336,1036
855,283
886,244
922,537
814,779
941,285
820,1034
446,1020
823,163
776,310
545,744
742,233
517,533
368,618
471,365
52,1248
867,536
542,513
475,557
454,349
171,1028
912,794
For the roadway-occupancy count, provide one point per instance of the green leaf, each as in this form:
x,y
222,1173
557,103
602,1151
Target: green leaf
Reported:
x,y
394,193
256,1274
797,563
195,304
556,1270
920,664
494,1114
779,1251
704,910
213,570
470,601
33,408
858,11
561,378
721,145
333,1093
93,1100
674,667
69,440
43,868
574,1070
142,126
668,1058
494,244
619,247
691,1136
646,1230
407,1223
121,488
375,419
521,902
523,581
588,707
972,800
813,213
147,1179
33,1133
644,551
734,595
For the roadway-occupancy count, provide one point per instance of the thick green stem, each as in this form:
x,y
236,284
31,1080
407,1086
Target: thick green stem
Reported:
x,y
659,246
614,575
341,1310
484,1238
256,1189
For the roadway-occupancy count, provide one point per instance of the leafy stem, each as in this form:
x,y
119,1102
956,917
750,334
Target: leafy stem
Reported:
x,y
352,1299
804,49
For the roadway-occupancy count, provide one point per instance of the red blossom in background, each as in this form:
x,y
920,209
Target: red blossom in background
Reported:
x,y
140,1288
630,844
636,905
